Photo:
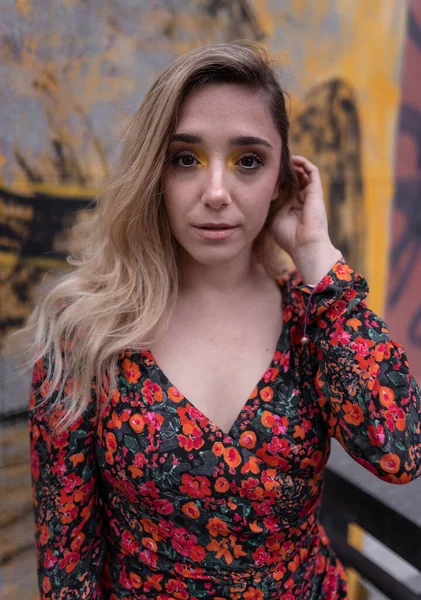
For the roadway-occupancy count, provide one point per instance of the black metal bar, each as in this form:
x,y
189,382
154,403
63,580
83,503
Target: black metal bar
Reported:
x,y
14,417
385,583
394,530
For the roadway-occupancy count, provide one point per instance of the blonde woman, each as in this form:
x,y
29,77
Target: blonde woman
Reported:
x,y
186,386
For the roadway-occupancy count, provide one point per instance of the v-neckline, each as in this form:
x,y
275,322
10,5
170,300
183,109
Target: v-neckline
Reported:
x,y
285,327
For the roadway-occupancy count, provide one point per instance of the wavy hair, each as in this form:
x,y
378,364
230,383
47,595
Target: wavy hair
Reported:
x,y
124,284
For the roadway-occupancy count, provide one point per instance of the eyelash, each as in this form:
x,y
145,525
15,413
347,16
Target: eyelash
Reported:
x,y
176,156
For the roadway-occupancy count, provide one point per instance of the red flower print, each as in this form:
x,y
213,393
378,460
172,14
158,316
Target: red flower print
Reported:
x,y
44,534
251,466
216,527
361,346
260,556
376,435
150,559
284,360
137,423
267,419
248,439
281,425
131,371
279,446
154,581
50,559
69,561
390,463
218,449
266,394
111,442
154,421
250,489
195,487
182,541
135,580
152,392
270,374
77,458
269,479
190,510
353,413
174,394
129,544
163,507
46,585
78,541
150,544
386,396
35,465
342,271
222,485
148,489
197,553
177,589
222,549
232,457
166,528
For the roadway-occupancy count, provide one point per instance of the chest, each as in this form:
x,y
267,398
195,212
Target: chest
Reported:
x,y
216,362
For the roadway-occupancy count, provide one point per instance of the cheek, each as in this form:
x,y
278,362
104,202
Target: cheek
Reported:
x,y
257,201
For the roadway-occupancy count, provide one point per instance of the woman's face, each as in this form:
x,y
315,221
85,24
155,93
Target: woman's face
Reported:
x,y
224,164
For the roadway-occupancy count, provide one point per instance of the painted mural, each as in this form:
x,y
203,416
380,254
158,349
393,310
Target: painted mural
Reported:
x,y
403,311
73,71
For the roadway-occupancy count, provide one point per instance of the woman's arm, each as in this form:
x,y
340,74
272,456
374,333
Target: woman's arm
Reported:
x,y
68,530
370,401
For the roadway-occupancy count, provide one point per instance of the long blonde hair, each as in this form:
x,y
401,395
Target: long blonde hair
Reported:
x,y
125,282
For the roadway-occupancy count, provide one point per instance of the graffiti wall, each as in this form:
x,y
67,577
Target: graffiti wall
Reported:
x,y
73,74
403,311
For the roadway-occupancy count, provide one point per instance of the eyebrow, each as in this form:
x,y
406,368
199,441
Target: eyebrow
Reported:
x,y
240,140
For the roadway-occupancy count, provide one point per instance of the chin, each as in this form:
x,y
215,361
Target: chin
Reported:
x,y
213,256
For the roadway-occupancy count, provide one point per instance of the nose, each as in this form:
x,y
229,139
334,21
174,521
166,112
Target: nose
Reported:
x,y
216,193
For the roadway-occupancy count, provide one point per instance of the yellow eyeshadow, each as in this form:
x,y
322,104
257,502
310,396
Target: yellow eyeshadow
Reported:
x,y
202,158
233,159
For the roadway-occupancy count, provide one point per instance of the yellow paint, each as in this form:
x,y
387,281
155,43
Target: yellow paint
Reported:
x,y
24,7
65,191
356,590
44,262
8,259
365,53
368,62
264,17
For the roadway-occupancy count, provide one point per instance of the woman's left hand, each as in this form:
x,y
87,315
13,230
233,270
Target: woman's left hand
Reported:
x,y
300,227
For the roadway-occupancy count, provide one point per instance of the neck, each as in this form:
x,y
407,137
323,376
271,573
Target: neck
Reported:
x,y
227,279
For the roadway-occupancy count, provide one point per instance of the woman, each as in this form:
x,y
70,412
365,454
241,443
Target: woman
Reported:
x,y
186,386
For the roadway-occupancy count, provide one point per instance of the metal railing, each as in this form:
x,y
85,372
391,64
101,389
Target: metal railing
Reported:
x,y
344,503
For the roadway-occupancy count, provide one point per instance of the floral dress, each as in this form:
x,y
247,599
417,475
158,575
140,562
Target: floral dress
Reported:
x,y
154,500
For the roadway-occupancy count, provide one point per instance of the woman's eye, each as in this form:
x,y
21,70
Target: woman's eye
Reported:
x,y
251,162
184,160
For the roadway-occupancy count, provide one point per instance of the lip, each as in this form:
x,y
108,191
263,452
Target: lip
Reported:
x,y
216,234
215,225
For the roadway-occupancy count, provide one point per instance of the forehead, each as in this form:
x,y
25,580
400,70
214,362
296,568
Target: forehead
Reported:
x,y
227,109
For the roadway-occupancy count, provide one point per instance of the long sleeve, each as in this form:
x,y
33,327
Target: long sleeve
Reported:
x,y
68,529
369,399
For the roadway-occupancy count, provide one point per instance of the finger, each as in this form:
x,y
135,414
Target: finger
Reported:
x,y
301,161
309,168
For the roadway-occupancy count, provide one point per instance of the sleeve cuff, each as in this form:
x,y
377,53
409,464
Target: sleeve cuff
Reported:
x,y
340,290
